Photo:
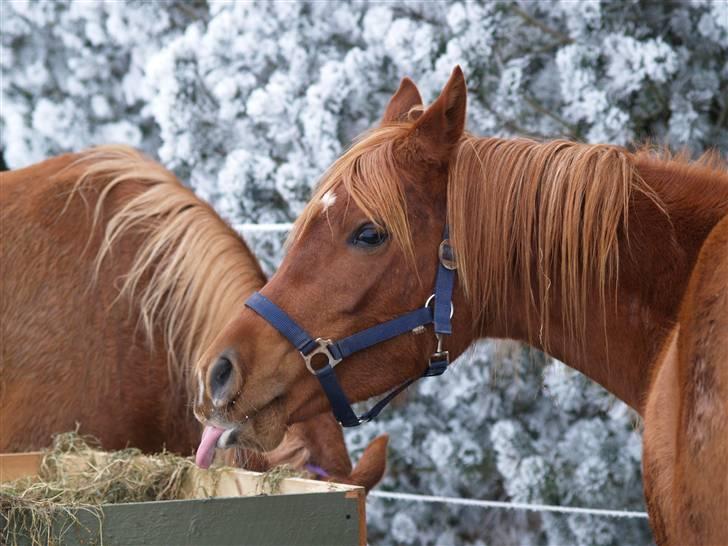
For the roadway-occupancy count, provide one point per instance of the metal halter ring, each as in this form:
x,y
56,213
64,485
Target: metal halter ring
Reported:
x,y
429,300
322,349
446,255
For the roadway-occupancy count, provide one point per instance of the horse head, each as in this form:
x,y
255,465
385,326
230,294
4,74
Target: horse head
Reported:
x,y
366,249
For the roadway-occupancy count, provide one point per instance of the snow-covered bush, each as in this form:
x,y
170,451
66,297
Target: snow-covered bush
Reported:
x,y
249,102
73,73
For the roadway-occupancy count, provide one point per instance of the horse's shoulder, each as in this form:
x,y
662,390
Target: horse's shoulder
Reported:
x,y
708,287
704,332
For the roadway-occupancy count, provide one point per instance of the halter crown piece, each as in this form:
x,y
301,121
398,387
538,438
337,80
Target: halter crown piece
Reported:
x,y
438,310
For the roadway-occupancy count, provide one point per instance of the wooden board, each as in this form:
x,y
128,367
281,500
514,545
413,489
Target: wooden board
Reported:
x,y
302,512
325,519
19,465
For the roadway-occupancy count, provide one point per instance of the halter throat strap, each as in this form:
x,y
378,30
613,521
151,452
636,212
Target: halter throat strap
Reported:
x,y
439,314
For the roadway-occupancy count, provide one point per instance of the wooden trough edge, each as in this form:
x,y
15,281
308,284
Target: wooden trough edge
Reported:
x,y
203,485
233,482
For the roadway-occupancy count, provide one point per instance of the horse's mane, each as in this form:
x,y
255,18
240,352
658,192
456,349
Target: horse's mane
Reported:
x,y
191,271
561,209
548,214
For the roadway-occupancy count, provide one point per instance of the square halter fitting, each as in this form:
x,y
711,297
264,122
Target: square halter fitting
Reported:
x,y
322,348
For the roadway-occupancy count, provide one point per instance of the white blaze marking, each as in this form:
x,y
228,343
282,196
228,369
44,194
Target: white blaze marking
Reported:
x,y
201,387
327,200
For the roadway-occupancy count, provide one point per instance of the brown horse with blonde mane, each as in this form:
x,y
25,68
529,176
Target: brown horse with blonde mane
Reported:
x,y
615,262
114,278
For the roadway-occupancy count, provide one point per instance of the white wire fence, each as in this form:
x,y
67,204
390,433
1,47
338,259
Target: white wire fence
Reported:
x,y
262,228
490,504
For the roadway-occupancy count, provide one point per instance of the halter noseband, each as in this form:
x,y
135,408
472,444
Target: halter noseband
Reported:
x,y
439,314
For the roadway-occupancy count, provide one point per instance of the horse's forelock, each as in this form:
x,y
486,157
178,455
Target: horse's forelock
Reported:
x,y
369,175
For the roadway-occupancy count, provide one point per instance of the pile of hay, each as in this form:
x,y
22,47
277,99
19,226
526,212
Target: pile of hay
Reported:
x,y
75,477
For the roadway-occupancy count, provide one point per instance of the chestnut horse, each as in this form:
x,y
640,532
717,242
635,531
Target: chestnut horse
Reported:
x,y
615,262
114,275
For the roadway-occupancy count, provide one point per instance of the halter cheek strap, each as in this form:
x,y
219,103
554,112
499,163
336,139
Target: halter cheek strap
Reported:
x,y
439,314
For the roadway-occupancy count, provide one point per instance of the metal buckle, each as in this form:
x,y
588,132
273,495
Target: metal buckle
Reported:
x,y
447,255
439,362
323,349
432,297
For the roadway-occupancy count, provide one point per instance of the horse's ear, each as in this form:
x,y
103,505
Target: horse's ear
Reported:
x,y
370,469
440,127
406,98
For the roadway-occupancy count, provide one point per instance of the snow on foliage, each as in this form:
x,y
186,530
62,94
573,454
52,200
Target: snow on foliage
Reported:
x,y
73,73
250,102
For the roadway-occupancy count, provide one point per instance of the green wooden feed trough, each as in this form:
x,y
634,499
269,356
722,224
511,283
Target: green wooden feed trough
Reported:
x,y
235,510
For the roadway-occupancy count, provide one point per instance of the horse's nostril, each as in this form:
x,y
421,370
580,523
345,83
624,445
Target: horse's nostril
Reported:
x,y
223,371
220,375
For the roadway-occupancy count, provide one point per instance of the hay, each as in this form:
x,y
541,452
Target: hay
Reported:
x,y
76,477
270,483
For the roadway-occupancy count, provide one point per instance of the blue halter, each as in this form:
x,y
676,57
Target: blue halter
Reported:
x,y
439,314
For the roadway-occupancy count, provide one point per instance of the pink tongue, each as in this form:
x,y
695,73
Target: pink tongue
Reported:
x,y
206,451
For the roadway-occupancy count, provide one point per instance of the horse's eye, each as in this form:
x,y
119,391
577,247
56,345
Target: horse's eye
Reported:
x,y
368,236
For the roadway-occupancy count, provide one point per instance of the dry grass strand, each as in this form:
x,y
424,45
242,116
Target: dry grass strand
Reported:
x,y
76,477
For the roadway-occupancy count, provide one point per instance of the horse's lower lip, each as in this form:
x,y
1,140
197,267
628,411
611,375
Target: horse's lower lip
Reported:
x,y
238,432
228,438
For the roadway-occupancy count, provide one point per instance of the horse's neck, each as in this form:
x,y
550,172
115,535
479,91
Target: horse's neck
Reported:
x,y
657,256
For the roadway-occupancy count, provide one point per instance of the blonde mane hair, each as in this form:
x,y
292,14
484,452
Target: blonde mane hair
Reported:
x,y
191,271
560,210
548,214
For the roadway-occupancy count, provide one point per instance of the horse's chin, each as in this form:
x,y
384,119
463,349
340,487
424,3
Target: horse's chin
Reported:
x,y
262,431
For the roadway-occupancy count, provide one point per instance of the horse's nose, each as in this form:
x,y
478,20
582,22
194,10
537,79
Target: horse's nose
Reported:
x,y
221,381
